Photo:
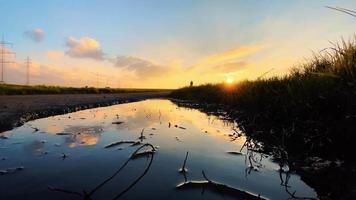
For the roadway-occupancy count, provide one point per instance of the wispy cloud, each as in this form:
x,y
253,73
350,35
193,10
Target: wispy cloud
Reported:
x,y
229,67
227,55
36,35
84,47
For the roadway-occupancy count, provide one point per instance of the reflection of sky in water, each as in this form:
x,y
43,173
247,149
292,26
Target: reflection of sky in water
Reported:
x,y
82,136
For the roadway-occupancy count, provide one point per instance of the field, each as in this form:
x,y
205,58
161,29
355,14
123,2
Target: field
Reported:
x,y
9,89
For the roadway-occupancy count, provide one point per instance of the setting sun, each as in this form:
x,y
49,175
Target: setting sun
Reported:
x,y
229,80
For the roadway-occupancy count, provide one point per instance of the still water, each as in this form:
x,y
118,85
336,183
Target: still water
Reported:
x,y
67,153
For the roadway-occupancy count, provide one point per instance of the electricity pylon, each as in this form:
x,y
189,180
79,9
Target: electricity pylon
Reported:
x,y
4,52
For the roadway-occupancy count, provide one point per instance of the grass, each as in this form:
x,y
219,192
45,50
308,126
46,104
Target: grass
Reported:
x,y
315,101
9,89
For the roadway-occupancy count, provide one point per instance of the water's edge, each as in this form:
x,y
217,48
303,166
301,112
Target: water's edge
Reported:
x,y
16,119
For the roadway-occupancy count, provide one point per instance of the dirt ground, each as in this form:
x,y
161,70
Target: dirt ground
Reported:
x,y
17,109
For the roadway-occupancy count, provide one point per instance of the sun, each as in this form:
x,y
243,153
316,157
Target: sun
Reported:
x,y
229,80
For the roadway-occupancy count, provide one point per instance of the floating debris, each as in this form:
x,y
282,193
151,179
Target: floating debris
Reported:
x,y
3,137
64,156
57,145
121,142
220,188
238,153
142,137
64,133
135,154
118,122
35,129
140,153
183,169
177,138
181,127
136,143
153,128
11,170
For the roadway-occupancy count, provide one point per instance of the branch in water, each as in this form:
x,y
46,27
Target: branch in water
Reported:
x,y
218,187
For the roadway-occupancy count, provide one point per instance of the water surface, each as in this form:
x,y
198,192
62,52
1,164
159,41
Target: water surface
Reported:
x,y
68,152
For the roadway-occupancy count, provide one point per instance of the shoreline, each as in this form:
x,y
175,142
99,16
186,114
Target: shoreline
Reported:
x,y
331,178
15,110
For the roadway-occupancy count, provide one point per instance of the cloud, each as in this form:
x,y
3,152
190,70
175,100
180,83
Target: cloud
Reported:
x,y
85,47
229,67
53,54
36,35
141,67
227,55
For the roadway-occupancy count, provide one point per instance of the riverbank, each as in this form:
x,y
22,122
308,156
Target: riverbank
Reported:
x,y
18,109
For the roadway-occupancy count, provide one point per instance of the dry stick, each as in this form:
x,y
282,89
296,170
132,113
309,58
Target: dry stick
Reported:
x,y
118,171
65,191
183,170
142,137
224,189
120,142
138,179
86,196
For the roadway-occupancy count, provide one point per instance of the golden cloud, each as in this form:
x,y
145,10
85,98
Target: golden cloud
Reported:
x,y
85,47
227,55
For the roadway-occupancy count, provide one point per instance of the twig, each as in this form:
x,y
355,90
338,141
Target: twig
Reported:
x,y
218,187
183,169
120,142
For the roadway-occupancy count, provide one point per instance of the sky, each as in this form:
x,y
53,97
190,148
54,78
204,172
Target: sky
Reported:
x,y
165,44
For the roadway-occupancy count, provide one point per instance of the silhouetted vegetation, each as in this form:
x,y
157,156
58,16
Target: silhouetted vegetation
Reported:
x,y
310,114
8,89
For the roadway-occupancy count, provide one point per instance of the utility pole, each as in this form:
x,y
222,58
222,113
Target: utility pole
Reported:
x,y
28,64
3,53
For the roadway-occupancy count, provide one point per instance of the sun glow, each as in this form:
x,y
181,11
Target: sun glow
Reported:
x,y
229,80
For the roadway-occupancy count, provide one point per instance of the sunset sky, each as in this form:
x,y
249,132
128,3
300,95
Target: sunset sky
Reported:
x,y
165,44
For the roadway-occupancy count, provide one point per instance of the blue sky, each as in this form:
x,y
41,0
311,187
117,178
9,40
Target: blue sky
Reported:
x,y
145,43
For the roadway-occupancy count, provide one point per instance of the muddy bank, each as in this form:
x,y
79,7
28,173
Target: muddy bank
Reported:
x,y
18,109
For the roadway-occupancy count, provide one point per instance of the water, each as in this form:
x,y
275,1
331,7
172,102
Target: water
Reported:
x,y
87,162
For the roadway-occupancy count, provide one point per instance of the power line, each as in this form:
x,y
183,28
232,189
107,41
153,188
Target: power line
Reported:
x,y
3,53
